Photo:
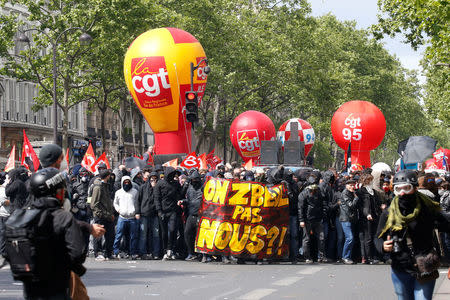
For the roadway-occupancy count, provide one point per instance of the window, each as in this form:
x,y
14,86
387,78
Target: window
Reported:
x,y
12,99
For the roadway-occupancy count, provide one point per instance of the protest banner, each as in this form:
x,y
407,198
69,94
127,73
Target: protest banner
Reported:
x,y
243,219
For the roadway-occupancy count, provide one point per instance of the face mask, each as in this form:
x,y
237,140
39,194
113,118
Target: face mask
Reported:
x,y
84,179
385,189
127,186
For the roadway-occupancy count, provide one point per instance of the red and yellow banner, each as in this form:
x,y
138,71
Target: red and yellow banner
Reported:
x,y
243,219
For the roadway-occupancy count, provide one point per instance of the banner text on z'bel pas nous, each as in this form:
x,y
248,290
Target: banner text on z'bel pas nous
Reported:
x,y
243,219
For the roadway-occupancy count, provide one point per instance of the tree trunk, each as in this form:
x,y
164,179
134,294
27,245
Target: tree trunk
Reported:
x,y
133,129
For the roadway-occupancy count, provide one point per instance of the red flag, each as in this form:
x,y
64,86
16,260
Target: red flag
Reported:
x,y
11,160
191,161
171,163
202,162
89,159
67,158
29,158
215,161
101,159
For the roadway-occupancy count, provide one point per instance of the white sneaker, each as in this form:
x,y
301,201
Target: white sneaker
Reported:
x,y
100,258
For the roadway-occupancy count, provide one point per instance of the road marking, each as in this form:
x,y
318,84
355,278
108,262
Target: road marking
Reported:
x,y
257,294
226,294
287,281
310,270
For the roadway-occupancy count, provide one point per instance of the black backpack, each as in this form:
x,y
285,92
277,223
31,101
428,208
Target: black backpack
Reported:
x,y
24,243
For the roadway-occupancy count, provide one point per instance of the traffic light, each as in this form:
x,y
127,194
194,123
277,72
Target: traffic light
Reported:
x,y
191,106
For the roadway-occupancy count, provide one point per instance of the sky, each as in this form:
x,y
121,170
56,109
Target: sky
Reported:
x,y
364,12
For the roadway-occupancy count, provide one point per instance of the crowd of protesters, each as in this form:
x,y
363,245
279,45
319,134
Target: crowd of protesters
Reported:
x,y
153,212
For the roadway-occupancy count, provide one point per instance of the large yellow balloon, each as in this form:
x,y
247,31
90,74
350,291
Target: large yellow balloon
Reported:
x,y
157,74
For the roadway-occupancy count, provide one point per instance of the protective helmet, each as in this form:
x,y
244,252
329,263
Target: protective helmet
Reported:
x,y
406,176
46,182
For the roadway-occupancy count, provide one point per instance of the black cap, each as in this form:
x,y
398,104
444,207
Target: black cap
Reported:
x,y
49,154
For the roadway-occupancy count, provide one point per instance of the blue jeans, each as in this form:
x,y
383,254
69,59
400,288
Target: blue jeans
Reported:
x,y
408,288
132,225
149,231
293,231
348,244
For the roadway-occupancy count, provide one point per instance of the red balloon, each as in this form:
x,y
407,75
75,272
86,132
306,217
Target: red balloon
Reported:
x,y
248,130
363,124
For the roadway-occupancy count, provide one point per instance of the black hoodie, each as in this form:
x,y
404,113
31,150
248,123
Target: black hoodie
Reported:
x,y
194,194
167,192
146,200
16,190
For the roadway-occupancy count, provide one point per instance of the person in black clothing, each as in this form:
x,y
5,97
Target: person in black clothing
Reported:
x,y
405,231
192,204
61,247
79,192
329,227
167,193
312,208
16,190
149,221
370,210
293,192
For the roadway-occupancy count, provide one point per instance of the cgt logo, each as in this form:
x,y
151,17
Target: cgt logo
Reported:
x,y
201,75
248,141
150,81
352,122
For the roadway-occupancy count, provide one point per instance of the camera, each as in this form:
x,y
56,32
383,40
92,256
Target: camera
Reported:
x,y
396,244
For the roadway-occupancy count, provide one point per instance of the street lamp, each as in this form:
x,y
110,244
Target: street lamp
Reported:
x,y
84,39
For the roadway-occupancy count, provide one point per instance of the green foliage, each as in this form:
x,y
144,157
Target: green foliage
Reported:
x,y
268,56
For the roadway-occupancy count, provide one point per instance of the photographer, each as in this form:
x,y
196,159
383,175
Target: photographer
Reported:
x,y
405,231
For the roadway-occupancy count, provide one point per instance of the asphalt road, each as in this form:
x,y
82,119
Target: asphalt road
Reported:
x,y
127,279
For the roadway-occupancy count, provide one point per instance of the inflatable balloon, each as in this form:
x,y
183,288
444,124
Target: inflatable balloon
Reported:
x,y
248,130
157,74
362,124
381,167
305,133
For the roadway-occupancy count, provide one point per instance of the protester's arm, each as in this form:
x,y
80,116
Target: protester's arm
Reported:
x,y
379,241
301,208
116,202
74,244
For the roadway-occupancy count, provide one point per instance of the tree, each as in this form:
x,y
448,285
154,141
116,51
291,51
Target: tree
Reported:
x,y
55,25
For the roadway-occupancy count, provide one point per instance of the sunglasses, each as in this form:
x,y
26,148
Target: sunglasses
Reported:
x,y
401,189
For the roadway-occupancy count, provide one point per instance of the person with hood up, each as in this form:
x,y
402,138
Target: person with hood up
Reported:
x,y
79,192
329,226
311,210
148,216
293,193
103,212
192,204
136,178
16,188
405,232
125,202
167,193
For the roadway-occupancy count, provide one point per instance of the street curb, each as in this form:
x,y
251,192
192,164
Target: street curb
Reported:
x,y
443,292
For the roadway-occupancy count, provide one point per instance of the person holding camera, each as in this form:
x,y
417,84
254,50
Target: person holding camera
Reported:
x,y
406,232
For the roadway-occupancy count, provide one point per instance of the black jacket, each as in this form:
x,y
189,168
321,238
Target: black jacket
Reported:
x,y
369,204
146,200
312,205
62,250
167,192
348,208
420,231
194,194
